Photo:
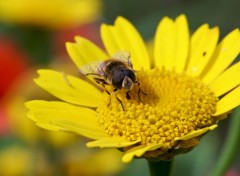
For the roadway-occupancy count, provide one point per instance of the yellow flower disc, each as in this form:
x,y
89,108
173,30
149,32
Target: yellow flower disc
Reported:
x,y
169,105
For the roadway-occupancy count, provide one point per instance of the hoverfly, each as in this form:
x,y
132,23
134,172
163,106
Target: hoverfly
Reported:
x,y
116,71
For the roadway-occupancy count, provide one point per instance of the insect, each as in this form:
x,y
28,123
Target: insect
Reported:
x,y
116,71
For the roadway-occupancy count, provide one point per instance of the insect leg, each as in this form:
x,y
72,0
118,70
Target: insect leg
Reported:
x,y
140,91
128,96
115,89
109,95
120,103
100,81
103,83
94,74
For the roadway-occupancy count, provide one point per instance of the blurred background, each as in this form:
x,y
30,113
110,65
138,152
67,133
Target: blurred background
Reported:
x,y
33,35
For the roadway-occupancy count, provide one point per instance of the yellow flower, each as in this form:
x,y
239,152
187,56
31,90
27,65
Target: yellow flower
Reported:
x,y
33,157
78,161
22,90
18,160
188,87
53,14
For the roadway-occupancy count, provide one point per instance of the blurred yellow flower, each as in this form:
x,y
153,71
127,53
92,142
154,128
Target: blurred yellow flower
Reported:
x,y
36,157
75,160
80,161
23,90
188,82
53,14
18,160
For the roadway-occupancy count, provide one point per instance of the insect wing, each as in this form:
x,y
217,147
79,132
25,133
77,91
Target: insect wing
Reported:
x,y
93,68
123,56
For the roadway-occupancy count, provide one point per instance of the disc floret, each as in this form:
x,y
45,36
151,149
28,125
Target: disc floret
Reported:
x,y
173,106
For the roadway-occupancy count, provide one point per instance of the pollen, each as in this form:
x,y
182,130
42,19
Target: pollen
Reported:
x,y
164,105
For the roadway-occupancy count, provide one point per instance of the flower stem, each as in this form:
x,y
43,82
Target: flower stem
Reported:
x,y
160,168
230,147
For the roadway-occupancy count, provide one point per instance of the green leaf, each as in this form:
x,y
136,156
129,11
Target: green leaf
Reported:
x,y
230,147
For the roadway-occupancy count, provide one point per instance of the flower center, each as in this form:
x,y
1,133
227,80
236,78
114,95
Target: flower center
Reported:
x,y
165,105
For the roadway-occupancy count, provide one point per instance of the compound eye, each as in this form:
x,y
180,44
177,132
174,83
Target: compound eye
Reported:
x,y
132,75
117,80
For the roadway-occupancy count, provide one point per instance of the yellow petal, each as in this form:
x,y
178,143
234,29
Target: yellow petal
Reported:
x,y
69,88
203,44
164,43
226,81
123,36
113,142
84,51
182,43
138,151
196,133
223,56
45,126
171,43
55,116
228,102
63,14
110,39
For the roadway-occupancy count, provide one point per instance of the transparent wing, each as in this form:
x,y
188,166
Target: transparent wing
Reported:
x,y
123,56
93,68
